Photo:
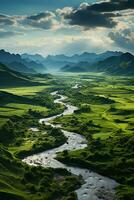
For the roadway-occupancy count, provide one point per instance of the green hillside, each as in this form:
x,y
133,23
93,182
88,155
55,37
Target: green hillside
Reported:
x,y
9,77
21,182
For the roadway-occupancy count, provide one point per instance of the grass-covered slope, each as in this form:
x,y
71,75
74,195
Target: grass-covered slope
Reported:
x,y
12,98
24,100
9,77
22,182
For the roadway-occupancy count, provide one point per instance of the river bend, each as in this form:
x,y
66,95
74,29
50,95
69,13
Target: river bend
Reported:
x,y
95,187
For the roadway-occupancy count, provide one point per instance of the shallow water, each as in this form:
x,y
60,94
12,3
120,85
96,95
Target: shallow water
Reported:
x,y
96,187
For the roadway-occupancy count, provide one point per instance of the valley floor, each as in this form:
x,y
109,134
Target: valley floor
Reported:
x,y
105,117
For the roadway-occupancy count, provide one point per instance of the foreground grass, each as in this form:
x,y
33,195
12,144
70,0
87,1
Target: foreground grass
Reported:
x,y
25,91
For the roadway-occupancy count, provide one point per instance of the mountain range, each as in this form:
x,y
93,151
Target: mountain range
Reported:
x,y
17,63
56,62
122,64
109,62
34,57
119,65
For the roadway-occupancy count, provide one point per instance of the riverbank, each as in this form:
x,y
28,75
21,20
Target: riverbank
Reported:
x,y
18,133
95,186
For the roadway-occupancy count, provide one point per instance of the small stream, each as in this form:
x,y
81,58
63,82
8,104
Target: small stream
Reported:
x,y
95,187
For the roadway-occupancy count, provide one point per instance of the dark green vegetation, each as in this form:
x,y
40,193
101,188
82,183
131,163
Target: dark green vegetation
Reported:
x,y
23,141
22,182
106,118
21,108
9,77
19,113
114,65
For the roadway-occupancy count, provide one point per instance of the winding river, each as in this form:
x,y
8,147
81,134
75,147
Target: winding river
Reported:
x,y
95,187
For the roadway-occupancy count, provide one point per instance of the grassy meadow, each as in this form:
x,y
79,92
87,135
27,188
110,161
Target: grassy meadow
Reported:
x,y
106,106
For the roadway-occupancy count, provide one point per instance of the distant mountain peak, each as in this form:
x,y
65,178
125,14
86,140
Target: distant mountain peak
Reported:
x,y
116,64
127,55
17,63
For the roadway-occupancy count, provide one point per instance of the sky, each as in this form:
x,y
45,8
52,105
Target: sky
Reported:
x,y
66,26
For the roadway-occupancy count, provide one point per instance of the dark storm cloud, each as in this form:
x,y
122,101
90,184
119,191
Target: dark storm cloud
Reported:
x,y
44,20
91,19
87,16
98,14
113,5
123,39
6,20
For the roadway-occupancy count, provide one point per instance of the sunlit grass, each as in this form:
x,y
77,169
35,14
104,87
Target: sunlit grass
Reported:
x,y
19,109
25,90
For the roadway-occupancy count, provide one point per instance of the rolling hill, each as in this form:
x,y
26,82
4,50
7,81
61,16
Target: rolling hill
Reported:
x,y
9,77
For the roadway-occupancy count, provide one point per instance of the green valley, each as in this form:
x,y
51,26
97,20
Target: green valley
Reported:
x,y
67,100
21,108
104,117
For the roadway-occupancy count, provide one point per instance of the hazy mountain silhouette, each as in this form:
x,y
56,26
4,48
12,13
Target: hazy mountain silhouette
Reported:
x,y
15,62
114,65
